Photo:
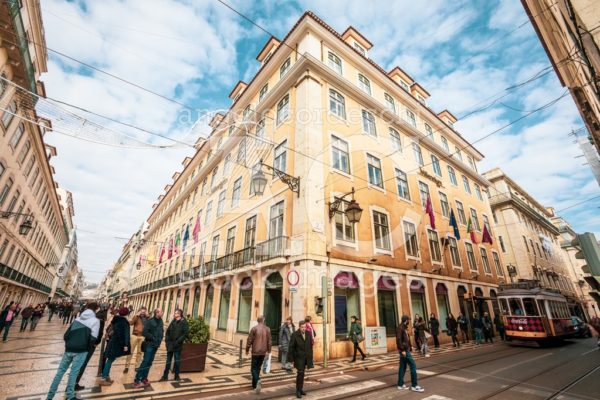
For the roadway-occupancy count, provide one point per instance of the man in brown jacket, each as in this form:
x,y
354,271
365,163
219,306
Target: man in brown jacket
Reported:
x,y
136,339
259,340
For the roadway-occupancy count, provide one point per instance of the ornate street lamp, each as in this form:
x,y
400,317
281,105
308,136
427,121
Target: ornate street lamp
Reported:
x,y
512,272
353,211
25,226
259,181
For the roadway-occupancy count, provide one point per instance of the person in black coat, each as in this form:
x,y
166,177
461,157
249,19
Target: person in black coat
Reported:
x,y
452,327
118,344
176,333
301,355
101,315
434,326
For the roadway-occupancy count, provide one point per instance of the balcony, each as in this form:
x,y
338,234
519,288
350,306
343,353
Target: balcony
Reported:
x,y
16,276
272,248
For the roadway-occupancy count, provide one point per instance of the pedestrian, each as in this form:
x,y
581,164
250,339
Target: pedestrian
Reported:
x,y
499,324
405,350
67,313
452,327
153,335
356,336
78,338
488,329
301,354
463,324
101,316
259,340
416,332
137,339
422,332
6,319
35,318
176,333
25,317
477,324
285,334
310,329
118,345
51,311
434,326
74,311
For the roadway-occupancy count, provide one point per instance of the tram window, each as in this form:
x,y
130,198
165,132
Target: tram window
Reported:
x,y
503,306
565,310
515,306
541,307
530,306
552,305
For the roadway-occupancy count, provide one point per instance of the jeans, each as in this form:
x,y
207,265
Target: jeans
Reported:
x,y
85,363
24,322
144,369
34,322
106,370
283,354
478,335
257,362
5,325
357,347
170,355
407,359
75,360
136,347
464,333
300,380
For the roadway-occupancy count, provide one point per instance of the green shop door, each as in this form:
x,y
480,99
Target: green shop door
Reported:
x,y
273,298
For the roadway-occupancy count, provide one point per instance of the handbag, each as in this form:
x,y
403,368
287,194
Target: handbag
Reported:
x,y
360,338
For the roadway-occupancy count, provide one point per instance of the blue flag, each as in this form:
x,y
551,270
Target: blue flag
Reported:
x,y
454,225
186,236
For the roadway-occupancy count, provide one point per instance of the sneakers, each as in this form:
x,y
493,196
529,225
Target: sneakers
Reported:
x,y
79,387
105,382
146,382
177,378
138,385
403,387
417,389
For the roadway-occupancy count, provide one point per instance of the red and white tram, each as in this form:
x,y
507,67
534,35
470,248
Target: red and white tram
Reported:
x,y
533,313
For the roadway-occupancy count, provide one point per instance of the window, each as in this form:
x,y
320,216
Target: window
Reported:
x,y
340,155
215,248
485,261
364,84
402,183
502,244
360,49
526,245
475,220
337,104
280,157
445,205
478,192
458,153
423,193
230,243
213,178
434,245
404,85
241,155
263,92
23,152
245,114
435,164
471,256
461,213
260,128
285,67
452,176
382,231
334,62
255,169
8,116
374,169
283,109
428,131
5,190
410,239
208,211
221,203
344,230
237,190
499,270
250,234
417,153
410,118
227,165
445,144
396,141
390,104
454,251
466,184
276,223
472,163
29,166
16,137
368,123
2,169
486,223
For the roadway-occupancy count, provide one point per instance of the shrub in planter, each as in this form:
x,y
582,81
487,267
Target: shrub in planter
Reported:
x,y
193,354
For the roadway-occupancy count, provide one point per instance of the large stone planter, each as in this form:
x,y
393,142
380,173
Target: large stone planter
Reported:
x,y
193,357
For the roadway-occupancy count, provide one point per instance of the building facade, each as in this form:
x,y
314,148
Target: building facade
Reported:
x,y
568,30
323,118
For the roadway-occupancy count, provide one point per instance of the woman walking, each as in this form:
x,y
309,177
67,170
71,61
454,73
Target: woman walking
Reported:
x,y
422,336
452,326
118,344
356,336
285,334
35,318
434,326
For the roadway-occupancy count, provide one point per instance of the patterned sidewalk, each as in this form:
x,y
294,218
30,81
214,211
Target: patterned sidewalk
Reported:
x,y
28,362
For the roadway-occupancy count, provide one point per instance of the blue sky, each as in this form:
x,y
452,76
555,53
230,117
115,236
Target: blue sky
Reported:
x,y
463,53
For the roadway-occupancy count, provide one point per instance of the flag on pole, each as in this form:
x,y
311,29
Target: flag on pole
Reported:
x,y
454,225
162,252
170,254
486,237
177,243
429,210
471,231
186,236
196,230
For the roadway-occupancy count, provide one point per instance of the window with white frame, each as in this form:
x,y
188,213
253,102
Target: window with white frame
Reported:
x,y
285,67
499,270
263,92
478,192
396,140
227,165
208,212
390,104
445,205
404,85
344,230
368,123
486,223
434,245
472,163
445,144
337,104
418,154
485,260
340,155
221,203
458,153
8,115
402,184
280,157
374,170
246,113
237,191
428,131
260,128
241,155
283,109
382,231
16,137
452,176
213,178
410,239
334,62
475,220
470,256
435,164
454,254
364,84
410,118
215,248
466,184
462,218
24,151
423,193
360,49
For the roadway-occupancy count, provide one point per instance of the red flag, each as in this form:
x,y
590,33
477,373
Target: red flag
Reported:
x,y
429,210
196,230
486,237
471,230
162,253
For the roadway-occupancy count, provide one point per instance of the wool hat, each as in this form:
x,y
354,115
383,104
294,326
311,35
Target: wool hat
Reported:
x,y
123,311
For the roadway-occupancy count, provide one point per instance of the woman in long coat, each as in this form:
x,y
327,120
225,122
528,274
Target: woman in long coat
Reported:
x,y
118,344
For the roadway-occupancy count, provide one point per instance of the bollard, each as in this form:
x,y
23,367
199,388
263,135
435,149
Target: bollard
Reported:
x,y
240,358
101,359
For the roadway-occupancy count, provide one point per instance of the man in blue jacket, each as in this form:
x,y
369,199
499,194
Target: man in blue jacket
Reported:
x,y
153,335
79,339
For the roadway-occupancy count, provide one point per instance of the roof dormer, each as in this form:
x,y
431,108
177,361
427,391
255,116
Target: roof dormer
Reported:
x,y
401,78
216,120
355,39
448,118
420,93
268,49
237,90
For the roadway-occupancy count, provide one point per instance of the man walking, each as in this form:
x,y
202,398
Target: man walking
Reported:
x,y
7,317
300,353
285,334
259,340
153,335
477,324
25,316
463,324
137,322
176,333
78,340
405,349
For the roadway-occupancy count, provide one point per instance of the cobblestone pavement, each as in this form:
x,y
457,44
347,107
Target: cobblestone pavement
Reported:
x,y
28,362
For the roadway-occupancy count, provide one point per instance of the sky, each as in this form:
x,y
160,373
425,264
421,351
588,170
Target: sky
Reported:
x,y
465,53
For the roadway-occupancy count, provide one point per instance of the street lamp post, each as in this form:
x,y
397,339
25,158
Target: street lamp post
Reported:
x,y
259,181
25,226
512,272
